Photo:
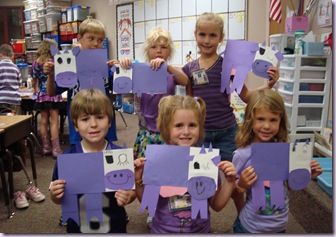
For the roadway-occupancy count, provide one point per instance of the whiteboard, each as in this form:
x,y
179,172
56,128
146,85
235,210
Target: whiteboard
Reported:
x,y
188,27
202,6
188,7
175,28
177,57
139,53
175,8
150,10
139,32
161,9
236,25
139,11
236,5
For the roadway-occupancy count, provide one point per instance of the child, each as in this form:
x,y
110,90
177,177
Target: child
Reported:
x,y
265,121
180,122
220,123
91,35
47,105
158,50
91,112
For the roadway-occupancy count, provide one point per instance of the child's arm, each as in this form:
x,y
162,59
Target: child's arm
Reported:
x,y
124,197
273,73
138,172
224,191
48,68
247,178
35,85
315,168
56,190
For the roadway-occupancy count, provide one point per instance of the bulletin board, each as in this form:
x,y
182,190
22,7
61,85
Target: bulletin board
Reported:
x,y
179,18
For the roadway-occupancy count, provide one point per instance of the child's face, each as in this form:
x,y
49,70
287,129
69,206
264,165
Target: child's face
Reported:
x,y
208,36
185,129
159,50
93,128
91,40
266,125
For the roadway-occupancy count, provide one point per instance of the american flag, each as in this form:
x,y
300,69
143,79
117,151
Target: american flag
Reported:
x,y
275,10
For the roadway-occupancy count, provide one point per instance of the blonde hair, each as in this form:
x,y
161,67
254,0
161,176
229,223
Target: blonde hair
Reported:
x,y
158,35
92,26
167,108
90,101
262,99
6,50
210,16
43,51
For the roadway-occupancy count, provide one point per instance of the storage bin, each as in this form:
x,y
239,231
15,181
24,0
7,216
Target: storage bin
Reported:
x,y
287,98
53,10
286,86
317,99
42,24
282,41
311,87
31,56
67,39
30,4
51,20
69,14
64,15
288,62
59,3
18,46
36,44
41,12
313,48
35,28
79,13
28,42
52,36
27,27
314,114
287,74
23,67
310,74
295,23
314,61
30,14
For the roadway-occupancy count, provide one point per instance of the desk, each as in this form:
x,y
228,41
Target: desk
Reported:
x,y
15,128
3,178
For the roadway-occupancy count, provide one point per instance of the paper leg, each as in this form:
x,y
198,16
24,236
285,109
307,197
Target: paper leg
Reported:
x,y
150,199
277,194
258,196
70,208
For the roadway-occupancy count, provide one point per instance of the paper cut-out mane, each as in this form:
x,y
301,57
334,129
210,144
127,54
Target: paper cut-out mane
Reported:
x,y
92,174
183,168
140,78
265,58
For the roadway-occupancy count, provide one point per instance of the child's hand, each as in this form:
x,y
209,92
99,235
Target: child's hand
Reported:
x,y
48,67
124,197
273,73
57,189
228,169
315,168
110,63
247,178
156,63
125,63
139,166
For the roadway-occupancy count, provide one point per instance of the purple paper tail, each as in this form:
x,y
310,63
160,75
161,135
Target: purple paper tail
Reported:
x,y
94,207
70,208
199,206
150,199
258,196
277,194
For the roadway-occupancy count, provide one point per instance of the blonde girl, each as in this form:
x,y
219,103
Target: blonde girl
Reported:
x,y
265,120
47,105
204,76
181,122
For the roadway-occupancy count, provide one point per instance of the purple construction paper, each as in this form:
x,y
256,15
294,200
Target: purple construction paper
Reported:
x,y
260,68
70,207
66,79
277,193
147,80
93,206
199,206
150,199
166,165
270,160
122,85
216,159
238,55
119,179
92,68
258,195
298,179
86,179
201,187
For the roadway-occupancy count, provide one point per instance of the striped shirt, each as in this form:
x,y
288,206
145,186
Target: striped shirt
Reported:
x,y
9,83
219,114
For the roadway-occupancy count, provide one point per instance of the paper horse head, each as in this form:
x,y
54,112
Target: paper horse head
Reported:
x,y
265,58
92,174
140,78
181,167
65,67
238,55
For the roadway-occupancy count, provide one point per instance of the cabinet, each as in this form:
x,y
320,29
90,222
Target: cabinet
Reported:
x,y
304,84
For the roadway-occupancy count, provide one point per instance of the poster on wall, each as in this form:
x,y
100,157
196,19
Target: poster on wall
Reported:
x,y
324,13
125,31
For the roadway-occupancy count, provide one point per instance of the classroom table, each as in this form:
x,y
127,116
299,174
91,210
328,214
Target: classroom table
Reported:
x,y
15,128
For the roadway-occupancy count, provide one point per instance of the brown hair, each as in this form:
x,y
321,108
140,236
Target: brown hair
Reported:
x,y
168,106
91,25
90,101
6,50
262,99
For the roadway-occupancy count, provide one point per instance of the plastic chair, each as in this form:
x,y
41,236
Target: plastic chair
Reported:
x,y
117,106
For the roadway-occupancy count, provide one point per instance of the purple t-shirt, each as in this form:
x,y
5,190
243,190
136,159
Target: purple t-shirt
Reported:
x,y
219,114
251,221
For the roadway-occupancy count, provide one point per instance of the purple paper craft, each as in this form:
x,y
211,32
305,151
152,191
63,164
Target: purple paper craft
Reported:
x,y
201,187
277,192
199,206
238,55
92,69
298,179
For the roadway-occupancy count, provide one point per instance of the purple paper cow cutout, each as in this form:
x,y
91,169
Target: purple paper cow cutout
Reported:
x,y
94,175
172,170
238,55
144,79
271,163
265,58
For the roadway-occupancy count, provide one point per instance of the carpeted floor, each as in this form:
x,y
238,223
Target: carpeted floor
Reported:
x,y
42,218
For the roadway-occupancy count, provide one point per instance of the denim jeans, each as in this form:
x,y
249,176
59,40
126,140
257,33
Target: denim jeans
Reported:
x,y
224,140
